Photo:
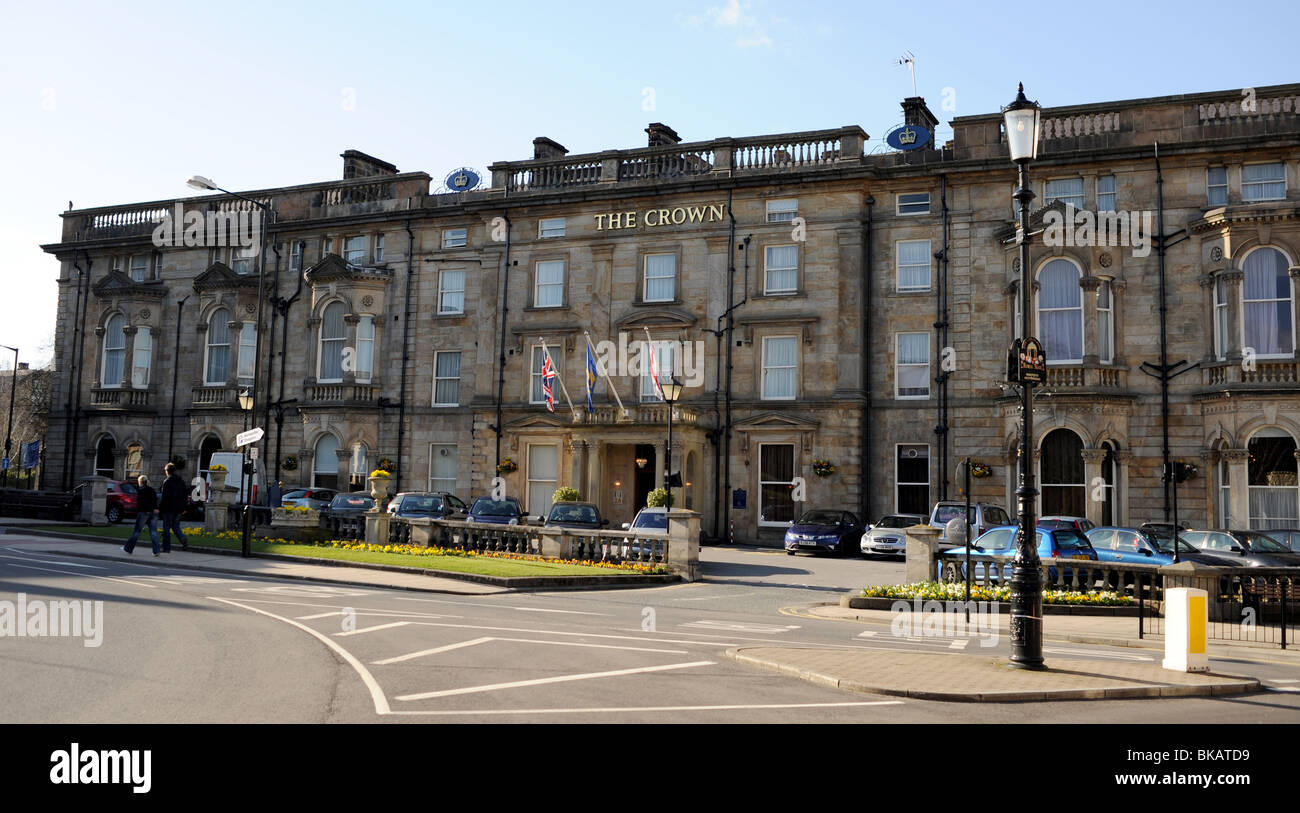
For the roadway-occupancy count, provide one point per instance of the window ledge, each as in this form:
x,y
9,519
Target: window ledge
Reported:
x,y
800,294
531,308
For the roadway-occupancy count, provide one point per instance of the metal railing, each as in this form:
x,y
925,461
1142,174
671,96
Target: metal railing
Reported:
x,y
1252,604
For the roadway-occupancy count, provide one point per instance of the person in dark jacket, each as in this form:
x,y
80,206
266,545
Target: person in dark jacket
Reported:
x,y
146,504
174,496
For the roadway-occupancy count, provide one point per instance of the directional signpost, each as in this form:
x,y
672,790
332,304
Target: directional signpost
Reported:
x,y
247,439
251,436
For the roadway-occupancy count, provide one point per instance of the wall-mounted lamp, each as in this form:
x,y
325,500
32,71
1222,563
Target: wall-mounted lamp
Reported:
x,y
640,462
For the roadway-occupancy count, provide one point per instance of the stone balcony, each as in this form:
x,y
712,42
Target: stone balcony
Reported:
x,y
341,394
217,397
119,397
1086,378
1261,375
652,414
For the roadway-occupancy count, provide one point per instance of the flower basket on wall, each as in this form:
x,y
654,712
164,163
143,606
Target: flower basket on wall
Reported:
x,y
506,466
823,468
290,463
980,470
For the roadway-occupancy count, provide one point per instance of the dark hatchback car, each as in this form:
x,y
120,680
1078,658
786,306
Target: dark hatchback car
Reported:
x,y
1243,548
824,530
350,505
496,512
1287,536
432,505
583,515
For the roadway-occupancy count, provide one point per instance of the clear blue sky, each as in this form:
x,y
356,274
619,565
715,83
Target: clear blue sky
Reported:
x,y
107,105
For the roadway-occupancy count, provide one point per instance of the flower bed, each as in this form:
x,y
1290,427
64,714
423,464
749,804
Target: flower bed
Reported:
x,y
944,591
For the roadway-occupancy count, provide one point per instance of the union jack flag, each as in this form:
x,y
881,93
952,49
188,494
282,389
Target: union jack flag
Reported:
x,y
548,377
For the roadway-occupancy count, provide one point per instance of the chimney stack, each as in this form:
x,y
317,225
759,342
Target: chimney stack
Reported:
x,y
661,135
357,164
544,147
917,114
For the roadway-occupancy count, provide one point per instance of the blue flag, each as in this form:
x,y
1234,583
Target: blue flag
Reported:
x,y
32,454
591,377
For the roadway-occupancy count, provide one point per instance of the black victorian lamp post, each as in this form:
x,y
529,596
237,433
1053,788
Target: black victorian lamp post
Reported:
x,y
9,431
672,393
1022,122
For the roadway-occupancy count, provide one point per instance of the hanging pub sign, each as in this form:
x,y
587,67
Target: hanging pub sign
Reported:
x,y
1033,363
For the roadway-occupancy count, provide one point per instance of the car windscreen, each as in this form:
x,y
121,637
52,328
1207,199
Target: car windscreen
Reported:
x,y
947,513
419,504
496,508
995,516
820,518
896,521
295,495
1260,543
574,513
651,521
1067,539
352,501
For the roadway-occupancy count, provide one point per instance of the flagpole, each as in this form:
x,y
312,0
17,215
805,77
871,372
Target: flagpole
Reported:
x,y
558,376
601,372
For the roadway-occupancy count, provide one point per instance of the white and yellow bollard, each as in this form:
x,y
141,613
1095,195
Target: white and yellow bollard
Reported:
x,y
1186,617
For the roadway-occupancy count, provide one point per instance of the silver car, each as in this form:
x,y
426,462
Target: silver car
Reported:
x,y
886,537
313,498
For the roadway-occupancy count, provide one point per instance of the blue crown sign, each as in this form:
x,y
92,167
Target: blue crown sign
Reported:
x,y
462,180
908,137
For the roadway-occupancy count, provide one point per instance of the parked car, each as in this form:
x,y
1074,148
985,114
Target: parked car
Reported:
x,y
1138,546
1053,544
1243,548
824,529
120,503
1080,524
314,498
506,511
653,523
983,517
886,537
584,515
1286,536
431,504
350,505
649,519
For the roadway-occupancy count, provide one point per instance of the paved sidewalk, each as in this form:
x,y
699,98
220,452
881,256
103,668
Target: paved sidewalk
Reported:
x,y
260,567
975,679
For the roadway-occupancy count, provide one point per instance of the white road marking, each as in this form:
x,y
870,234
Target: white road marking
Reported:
x,y
709,624
1119,656
867,634
711,598
1283,688
545,610
477,641
319,615
376,693
315,590
959,643
642,709
1284,680
516,684
372,629
91,575
30,558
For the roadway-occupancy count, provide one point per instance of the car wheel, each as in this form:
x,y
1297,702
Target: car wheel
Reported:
x,y
114,514
789,553
951,574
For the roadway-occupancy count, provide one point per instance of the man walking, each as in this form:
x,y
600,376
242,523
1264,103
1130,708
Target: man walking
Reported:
x,y
174,494
146,503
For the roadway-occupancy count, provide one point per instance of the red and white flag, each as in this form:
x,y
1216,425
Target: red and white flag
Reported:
x,y
654,364
548,377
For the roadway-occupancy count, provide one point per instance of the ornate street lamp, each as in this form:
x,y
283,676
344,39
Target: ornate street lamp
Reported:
x,y
672,393
1022,125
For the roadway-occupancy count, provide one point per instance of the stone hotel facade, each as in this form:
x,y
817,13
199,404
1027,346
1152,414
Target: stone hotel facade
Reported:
x,y
821,298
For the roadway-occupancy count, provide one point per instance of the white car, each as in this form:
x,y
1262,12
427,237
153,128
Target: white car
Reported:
x,y
886,537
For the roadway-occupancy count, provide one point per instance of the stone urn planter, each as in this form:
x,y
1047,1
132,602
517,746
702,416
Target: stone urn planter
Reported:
x,y
379,487
218,479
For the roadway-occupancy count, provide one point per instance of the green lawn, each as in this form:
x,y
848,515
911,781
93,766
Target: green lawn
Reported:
x,y
481,565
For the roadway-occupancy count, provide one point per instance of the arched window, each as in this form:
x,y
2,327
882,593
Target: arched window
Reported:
x,y
325,463
114,351
104,457
1266,308
1061,463
217,366
1271,472
332,337
1060,312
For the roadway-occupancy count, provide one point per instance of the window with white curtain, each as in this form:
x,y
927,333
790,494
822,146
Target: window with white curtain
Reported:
x,y
666,358
114,351
543,476
781,269
141,358
1216,186
1225,494
913,261
446,379
1069,190
912,365
660,277
451,291
247,352
333,335
379,248
1220,318
454,238
1105,323
295,255
241,259
365,348
782,211
1060,312
780,368
218,356
1106,193
354,250
1272,475
325,463
443,460
551,227
1263,182
550,284
1266,312
536,395
139,267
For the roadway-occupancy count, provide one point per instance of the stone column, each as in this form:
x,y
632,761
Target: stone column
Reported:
x,y
98,366
1090,285
128,354
1238,488
578,467
684,543
234,329
1092,459
1119,510
922,554
1294,271
1233,278
377,520
596,486
344,468
1117,288
351,320
1206,282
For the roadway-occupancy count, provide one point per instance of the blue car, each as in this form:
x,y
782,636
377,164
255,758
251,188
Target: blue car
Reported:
x,y
505,511
837,531
1143,547
1053,543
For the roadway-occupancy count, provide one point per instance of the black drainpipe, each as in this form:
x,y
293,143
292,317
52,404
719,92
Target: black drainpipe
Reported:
x,y
501,358
81,348
941,430
78,339
270,340
1164,337
412,268
282,307
864,319
176,368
